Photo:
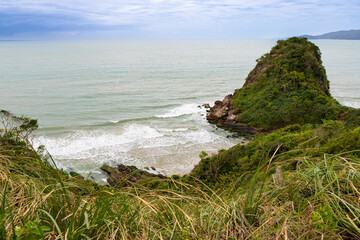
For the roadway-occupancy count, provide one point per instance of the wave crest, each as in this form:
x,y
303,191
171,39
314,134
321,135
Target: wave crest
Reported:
x,y
186,109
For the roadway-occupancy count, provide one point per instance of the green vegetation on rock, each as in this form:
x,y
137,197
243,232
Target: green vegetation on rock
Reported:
x,y
287,86
295,173
286,146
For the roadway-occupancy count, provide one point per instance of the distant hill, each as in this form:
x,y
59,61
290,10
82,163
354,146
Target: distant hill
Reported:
x,y
348,35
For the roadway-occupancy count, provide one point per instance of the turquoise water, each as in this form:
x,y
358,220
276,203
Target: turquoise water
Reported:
x,y
137,102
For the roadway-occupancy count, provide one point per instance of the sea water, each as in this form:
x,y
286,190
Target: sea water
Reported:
x,y
140,102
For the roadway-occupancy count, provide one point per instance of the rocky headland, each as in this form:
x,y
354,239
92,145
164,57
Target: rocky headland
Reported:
x,y
287,86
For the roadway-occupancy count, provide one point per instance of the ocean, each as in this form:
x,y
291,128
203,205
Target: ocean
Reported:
x,y
140,102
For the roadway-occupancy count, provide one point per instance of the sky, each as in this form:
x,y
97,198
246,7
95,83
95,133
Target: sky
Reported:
x,y
174,19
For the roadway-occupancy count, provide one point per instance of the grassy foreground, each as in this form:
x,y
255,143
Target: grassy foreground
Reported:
x,y
305,185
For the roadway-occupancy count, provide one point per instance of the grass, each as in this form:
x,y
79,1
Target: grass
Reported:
x,y
319,199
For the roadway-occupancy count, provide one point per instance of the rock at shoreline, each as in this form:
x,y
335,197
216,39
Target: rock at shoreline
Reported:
x,y
223,111
224,115
123,176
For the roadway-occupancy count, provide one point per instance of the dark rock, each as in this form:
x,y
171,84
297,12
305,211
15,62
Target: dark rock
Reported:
x,y
76,175
123,175
224,115
220,111
115,177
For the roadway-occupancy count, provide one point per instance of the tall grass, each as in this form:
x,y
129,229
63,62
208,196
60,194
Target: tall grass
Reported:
x,y
318,200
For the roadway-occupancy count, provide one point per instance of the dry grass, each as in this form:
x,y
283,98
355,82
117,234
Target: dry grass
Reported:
x,y
320,200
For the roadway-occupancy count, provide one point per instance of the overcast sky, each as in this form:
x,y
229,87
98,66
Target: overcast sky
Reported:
x,y
174,19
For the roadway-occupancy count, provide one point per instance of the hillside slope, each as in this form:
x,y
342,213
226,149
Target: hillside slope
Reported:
x,y
341,35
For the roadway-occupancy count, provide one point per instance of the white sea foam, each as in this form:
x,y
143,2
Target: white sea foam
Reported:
x,y
80,144
185,109
173,130
352,103
132,144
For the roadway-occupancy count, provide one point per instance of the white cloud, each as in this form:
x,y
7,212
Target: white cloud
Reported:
x,y
196,13
139,10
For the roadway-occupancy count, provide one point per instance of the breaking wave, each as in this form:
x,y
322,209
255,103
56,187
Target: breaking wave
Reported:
x,y
185,109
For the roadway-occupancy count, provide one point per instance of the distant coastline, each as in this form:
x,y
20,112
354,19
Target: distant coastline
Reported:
x,y
341,35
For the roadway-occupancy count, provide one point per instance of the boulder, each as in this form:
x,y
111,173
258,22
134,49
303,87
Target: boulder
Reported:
x,y
224,115
123,176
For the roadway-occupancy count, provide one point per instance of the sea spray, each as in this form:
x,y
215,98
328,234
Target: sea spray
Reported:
x,y
162,142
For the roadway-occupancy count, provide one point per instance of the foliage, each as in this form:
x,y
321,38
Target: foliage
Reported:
x,y
15,129
285,145
287,86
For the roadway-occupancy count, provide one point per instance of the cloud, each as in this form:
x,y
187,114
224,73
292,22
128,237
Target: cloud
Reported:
x,y
171,17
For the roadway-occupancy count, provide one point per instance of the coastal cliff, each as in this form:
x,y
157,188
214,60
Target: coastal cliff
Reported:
x,y
288,85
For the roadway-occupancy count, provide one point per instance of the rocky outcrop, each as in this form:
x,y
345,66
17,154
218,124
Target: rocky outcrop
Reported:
x,y
123,176
223,111
287,86
224,115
